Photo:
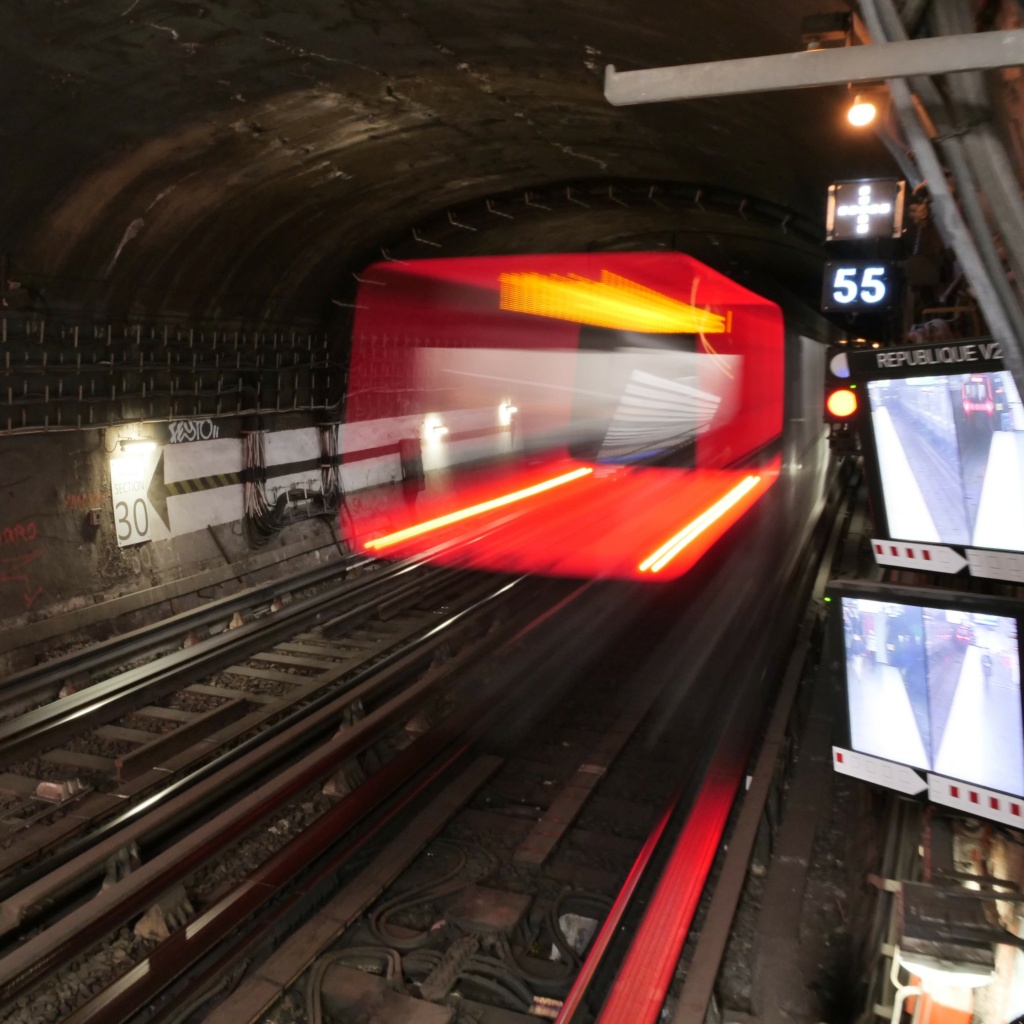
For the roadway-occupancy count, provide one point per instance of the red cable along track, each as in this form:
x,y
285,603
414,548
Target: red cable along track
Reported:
x,y
642,983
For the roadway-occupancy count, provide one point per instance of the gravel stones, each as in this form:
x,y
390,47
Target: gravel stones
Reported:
x,y
238,863
76,983
188,700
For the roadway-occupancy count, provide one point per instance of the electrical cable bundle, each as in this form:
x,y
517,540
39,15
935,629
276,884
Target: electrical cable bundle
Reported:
x,y
261,519
330,468
330,471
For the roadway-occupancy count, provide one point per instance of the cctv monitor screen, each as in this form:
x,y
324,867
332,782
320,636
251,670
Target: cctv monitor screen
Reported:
x,y
951,458
937,687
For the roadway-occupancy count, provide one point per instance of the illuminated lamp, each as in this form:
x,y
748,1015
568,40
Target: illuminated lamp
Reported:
x,y
841,404
505,413
613,301
475,510
136,445
839,364
862,112
434,429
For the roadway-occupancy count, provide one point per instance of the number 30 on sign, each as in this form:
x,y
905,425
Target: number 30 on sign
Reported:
x,y
857,285
135,520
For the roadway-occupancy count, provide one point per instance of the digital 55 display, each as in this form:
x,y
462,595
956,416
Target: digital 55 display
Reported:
x,y
858,285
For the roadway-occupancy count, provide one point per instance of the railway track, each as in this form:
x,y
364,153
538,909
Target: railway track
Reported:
x,y
465,836
265,686
95,662
535,862
392,700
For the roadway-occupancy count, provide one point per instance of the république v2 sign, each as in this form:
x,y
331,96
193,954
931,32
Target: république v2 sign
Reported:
x,y
916,359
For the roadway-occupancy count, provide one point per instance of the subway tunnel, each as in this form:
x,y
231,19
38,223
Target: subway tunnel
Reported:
x,y
196,199
236,168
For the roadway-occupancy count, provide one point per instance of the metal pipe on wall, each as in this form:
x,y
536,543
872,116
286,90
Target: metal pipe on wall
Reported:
x,y
999,316
949,140
996,179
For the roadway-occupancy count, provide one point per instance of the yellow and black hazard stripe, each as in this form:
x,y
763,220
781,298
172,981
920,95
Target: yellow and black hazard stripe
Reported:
x,y
202,483
206,483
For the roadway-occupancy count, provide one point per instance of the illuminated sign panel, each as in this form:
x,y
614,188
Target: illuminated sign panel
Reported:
x,y
612,301
933,682
950,451
942,432
858,285
868,208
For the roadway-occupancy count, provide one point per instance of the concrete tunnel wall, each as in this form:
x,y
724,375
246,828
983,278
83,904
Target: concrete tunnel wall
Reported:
x,y
54,561
237,163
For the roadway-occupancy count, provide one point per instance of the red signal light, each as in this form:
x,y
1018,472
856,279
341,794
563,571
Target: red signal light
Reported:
x,y
841,404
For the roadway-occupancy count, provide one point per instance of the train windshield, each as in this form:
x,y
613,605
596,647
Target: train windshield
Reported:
x,y
976,390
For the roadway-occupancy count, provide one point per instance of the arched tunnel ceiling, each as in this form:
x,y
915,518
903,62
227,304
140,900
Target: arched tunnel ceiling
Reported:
x,y
239,159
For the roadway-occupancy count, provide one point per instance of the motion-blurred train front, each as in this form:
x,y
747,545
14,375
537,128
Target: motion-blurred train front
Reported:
x,y
586,415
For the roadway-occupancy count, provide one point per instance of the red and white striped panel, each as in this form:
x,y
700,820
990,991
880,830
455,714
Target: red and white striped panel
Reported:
x,y
976,800
923,557
877,770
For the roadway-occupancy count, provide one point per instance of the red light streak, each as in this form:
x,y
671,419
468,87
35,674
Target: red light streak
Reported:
x,y
640,988
475,510
660,558
603,939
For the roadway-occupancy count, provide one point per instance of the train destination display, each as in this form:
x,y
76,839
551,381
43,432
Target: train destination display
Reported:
x,y
941,428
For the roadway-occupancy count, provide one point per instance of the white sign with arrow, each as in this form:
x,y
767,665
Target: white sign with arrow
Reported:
x,y
997,565
923,557
879,771
140,497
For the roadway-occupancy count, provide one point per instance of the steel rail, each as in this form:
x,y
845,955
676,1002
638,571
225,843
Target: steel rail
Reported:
x,y
106,653
307,866
45,952
705,964
292,891
223,922
253,758
642,976
147,980
67,846
47,726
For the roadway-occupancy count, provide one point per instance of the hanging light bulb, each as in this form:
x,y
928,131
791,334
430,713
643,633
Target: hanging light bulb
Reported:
x,y
862,113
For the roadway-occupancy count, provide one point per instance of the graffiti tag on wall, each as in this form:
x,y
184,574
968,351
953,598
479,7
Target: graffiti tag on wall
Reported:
x,y
14,569
12,536
181,431
82,502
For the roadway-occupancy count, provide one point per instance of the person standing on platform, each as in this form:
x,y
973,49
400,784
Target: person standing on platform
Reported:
x,y
928,267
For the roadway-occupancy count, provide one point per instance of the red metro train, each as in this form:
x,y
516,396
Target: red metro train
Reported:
x,y
585,415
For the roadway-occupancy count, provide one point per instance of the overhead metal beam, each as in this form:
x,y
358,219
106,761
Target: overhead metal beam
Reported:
x,y
1000,309
808,68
